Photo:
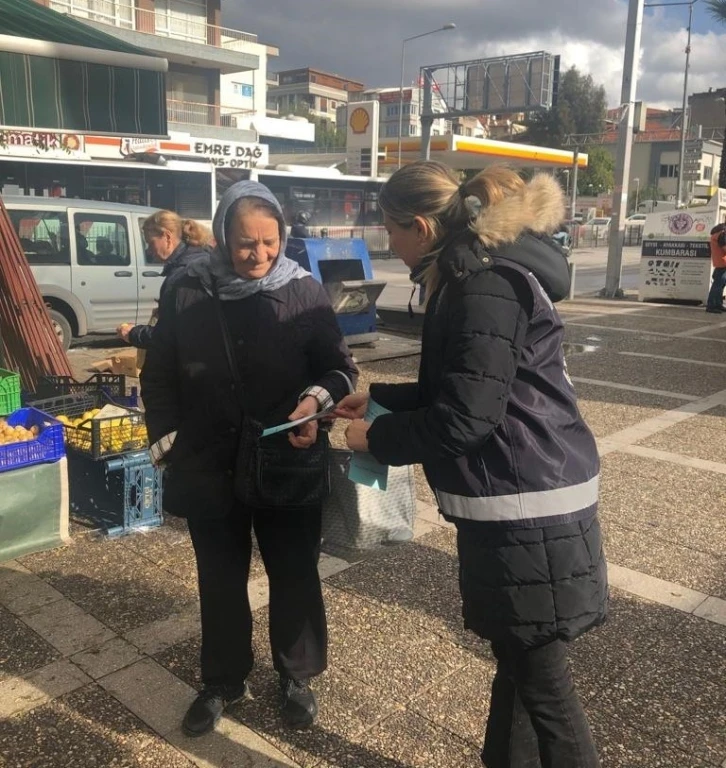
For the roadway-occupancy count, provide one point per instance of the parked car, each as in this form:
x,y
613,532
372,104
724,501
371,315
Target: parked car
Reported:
x,y
636,220
596,229
89,260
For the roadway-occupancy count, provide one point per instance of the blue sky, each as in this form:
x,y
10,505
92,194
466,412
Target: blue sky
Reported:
x,y
362,40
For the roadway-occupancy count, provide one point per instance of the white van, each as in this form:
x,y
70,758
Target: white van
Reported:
x,y
89,261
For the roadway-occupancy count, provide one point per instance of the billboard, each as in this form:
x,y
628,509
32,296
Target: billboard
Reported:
x,y
525,82
511,84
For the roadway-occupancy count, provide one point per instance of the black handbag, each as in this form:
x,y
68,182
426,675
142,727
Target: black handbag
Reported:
x,y
269,472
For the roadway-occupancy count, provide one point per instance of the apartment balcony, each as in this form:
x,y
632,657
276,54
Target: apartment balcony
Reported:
x,y
178,38
198,113
273,78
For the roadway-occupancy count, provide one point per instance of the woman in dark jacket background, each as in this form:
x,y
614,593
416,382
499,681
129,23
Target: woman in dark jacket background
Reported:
x,y
287,347
493,419
175,243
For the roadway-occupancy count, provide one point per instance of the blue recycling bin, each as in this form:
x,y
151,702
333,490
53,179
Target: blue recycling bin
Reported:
x,y
344,268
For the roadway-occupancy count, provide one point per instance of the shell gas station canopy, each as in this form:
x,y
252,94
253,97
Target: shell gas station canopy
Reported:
x,y
464,153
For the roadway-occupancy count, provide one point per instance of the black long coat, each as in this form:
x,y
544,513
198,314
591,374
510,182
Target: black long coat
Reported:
x,y
284,341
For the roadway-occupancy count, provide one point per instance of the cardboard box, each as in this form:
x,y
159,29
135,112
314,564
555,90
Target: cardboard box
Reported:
x,y
123,362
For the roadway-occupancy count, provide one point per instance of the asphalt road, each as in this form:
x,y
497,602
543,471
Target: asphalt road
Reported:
x,y
592,279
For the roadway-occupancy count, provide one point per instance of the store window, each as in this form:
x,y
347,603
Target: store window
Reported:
x,y
101,240
43,235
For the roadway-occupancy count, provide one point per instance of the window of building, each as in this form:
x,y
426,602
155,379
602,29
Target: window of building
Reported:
x,y
707,173
101,240
391,130
669,171
43,235
243,89
323,104
182,19
412,130
120,13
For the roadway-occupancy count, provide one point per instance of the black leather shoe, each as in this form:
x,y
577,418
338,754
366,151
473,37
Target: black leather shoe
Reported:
x,y
299,705
207,708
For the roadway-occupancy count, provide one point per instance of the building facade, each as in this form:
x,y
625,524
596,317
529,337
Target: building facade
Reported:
x,y
310,91
707,112
218,77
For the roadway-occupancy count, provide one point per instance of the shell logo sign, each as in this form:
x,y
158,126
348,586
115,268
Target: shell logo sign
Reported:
x,y
360,120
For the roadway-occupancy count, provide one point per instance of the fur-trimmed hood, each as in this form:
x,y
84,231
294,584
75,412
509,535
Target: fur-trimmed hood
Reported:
x,y
539,208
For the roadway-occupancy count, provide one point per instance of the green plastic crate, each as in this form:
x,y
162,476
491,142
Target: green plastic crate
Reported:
x,y
9,392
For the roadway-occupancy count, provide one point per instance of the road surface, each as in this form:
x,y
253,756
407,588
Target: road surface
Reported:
x,y
589,275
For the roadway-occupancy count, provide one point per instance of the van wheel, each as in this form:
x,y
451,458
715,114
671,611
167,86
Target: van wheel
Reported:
x,y
62,328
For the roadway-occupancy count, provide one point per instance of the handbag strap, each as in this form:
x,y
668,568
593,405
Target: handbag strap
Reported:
x,y
351,388
228,348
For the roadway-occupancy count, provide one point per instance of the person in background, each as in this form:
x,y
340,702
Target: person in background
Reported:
x,y
245,308
299,226
714,303
494,420
173,242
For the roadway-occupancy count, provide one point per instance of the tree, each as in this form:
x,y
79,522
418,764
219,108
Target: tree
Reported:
x,y
600,173
581,108
327,136
717,9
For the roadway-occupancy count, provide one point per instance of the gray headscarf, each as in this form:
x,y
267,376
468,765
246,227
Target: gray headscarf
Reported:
x,y
218,265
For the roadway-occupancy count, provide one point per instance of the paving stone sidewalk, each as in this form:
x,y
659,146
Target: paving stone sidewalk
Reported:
x,y
99,640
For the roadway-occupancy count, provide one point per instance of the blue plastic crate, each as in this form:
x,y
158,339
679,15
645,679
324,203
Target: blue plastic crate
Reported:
x,y
49,446
112,385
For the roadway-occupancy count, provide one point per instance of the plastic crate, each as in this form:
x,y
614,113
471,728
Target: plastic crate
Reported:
x,y
47,447
121,495
101,438
111,384
9,392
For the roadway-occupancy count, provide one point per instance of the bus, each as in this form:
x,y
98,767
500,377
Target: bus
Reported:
x,y
339,206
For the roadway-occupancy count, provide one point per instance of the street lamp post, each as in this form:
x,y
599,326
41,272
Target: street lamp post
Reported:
x,y
450,25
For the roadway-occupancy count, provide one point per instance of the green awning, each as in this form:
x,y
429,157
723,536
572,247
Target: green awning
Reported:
x,y
58,74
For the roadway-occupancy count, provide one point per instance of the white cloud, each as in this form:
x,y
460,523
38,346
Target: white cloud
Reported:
x,y
363,40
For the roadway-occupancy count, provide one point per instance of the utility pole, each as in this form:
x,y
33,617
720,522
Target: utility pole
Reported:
x,y
625,148
684,115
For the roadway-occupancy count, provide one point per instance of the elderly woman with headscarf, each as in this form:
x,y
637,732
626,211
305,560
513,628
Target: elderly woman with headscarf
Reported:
x,y
246,337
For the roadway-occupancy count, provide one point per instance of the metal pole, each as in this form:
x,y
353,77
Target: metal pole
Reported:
x,y
427,117
682,162
575,166
625,147
400,102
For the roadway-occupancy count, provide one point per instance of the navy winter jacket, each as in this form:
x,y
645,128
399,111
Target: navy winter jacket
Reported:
x,y
493,419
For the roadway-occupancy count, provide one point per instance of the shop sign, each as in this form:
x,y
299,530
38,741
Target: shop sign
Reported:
x,y
231,154
41,144
675,269
692,223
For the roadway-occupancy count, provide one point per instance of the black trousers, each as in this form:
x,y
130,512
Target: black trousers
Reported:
x,y
290,547
536,719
